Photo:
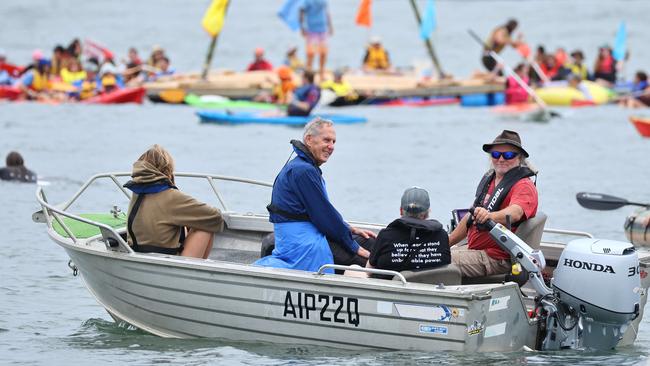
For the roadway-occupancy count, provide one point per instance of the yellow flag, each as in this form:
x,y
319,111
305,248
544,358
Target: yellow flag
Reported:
x,y
213,19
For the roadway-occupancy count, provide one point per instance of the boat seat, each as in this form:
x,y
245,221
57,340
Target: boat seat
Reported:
x,y
530,231
448,275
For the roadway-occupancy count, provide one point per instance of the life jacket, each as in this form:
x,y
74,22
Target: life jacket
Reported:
x,y
515,93
142,190
377,58
549,72
500,192
606,65
282,91
341,89
580,70
71,77
274,209
39,82
88,89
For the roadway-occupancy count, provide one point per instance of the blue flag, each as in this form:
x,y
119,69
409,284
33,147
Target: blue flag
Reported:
x,y
619,43
428,21
290,14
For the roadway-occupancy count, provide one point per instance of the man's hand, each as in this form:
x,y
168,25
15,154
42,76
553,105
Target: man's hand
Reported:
x,y
363,233
481,215
363,253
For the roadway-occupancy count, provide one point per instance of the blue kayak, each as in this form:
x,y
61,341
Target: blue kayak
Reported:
x,y
260,118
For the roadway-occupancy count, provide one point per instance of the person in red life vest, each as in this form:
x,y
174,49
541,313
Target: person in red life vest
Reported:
x,y
515,93
505,190
260,63
605,66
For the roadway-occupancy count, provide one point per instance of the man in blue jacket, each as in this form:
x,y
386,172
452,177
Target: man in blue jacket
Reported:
x,y
302,215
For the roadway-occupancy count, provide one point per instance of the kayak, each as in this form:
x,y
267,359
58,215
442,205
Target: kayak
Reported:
x,y
564,95
642,125
218,102
420,102
259,118
637,227
125,95
9,92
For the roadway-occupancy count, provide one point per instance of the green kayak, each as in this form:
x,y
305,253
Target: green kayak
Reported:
x,y
214,102
82,230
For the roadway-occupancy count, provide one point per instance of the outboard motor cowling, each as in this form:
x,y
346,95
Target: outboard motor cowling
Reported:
x,y
600,280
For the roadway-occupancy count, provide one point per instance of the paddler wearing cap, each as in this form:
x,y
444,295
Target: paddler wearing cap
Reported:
x,y
505,190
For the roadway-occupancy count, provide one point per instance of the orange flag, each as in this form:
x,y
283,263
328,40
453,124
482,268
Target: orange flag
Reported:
x,y
364,17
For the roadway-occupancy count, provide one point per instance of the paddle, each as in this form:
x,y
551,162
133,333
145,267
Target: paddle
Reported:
x,y
545,112
604,202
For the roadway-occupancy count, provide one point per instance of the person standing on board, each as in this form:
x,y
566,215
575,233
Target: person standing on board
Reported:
x,y
316,26
505,190
500,37
302,215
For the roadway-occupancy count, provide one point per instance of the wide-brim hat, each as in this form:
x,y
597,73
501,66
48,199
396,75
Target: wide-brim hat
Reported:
x,y
506,137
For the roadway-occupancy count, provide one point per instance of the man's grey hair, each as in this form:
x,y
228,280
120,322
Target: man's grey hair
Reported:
x,y
314,127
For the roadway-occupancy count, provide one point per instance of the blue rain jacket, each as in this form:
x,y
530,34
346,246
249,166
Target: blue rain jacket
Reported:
x,y
300,189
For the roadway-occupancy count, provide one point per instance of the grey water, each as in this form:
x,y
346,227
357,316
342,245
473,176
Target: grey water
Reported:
x,y
48,318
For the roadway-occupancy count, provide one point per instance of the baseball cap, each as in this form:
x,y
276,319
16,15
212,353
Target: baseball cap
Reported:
x,y
415,200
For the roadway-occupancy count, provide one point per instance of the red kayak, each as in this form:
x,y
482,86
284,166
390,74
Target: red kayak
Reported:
x,y
642,125
9,92
126,95
11,69
420,102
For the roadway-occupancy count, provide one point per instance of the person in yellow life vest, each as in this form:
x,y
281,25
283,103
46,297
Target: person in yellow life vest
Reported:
x,y
283,91
376,57
72,73
293,61
89,85
109,79
36,82
577,67
345,93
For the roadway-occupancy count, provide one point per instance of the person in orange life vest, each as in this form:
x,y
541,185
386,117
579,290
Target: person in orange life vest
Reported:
x,y
259,63
605,66
505,190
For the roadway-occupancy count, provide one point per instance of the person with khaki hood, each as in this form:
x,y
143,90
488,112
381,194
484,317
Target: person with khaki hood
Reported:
x,y
159,213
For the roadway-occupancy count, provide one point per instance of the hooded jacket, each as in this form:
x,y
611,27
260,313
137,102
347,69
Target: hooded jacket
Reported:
x,y
300,190
409,243
165,210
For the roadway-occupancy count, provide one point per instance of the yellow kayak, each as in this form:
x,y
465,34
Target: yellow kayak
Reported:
x,y
564,95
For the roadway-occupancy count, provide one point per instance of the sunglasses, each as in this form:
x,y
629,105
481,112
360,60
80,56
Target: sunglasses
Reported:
x,y
507,155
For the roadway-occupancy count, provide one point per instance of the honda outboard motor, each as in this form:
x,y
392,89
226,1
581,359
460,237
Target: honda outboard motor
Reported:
x,y
599,281
595,294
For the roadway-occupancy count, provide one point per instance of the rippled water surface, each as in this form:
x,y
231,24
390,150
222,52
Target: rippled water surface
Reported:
x,y
48,317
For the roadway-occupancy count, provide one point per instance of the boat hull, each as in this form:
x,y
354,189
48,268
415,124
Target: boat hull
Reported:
x,y
187,298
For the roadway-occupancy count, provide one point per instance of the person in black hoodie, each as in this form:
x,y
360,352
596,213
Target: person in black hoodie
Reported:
x,y
411,242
